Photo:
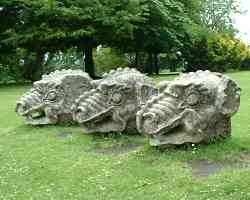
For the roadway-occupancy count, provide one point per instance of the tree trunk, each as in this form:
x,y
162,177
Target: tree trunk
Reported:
x,y
89,62
173,66
149,68
39,65
47,63
28,66
156,64
33,66
136,59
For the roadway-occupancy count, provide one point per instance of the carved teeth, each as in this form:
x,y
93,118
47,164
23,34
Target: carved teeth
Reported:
x,y
166,104
91,105
83,104
93,108
96,102
158,112
161,110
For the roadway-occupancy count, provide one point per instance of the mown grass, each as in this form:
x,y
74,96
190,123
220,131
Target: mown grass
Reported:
x,y
36,163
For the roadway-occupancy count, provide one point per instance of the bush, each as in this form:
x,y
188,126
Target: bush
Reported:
x,y
11,67
246,64
217,53
108,58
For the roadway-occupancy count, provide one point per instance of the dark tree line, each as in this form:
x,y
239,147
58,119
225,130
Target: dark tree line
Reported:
x,y
31,31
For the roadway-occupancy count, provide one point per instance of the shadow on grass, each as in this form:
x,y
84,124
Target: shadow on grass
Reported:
x,y
119,143
116,143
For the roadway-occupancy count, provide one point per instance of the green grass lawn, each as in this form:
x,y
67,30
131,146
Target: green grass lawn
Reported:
x,y
39,163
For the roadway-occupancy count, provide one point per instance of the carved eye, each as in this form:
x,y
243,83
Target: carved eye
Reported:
x,y
116,98
193,99
51,96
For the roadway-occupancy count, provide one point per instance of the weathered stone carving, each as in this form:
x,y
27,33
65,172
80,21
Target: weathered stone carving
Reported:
x,y
194,108
50,100
112,105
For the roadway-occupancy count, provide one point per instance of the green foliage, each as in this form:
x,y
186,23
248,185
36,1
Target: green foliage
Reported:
x,y
164,28
218,15
228,52
218,52
108,58
144,28
11,67
57,24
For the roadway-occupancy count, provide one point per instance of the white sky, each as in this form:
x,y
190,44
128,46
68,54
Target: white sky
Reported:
x,y
242,22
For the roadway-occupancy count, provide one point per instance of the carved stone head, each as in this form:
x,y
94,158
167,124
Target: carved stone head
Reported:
x,y
49,101
112,105
194,108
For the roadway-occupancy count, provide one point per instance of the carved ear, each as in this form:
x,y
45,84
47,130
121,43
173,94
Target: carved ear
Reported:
x,y
228,96
144,92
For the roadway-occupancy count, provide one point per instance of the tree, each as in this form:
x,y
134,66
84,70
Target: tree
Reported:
x,y
218,52
10,56
218,15
164,30
53,25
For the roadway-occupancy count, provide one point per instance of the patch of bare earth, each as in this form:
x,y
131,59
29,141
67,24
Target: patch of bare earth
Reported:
x,y
65,135
205,168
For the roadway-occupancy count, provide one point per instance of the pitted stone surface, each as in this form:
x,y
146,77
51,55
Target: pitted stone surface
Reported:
x,y
194,108
50,100
112,105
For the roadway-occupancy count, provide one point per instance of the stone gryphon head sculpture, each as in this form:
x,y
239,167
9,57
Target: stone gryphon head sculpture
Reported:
x,y
112,105
49,101
193,108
